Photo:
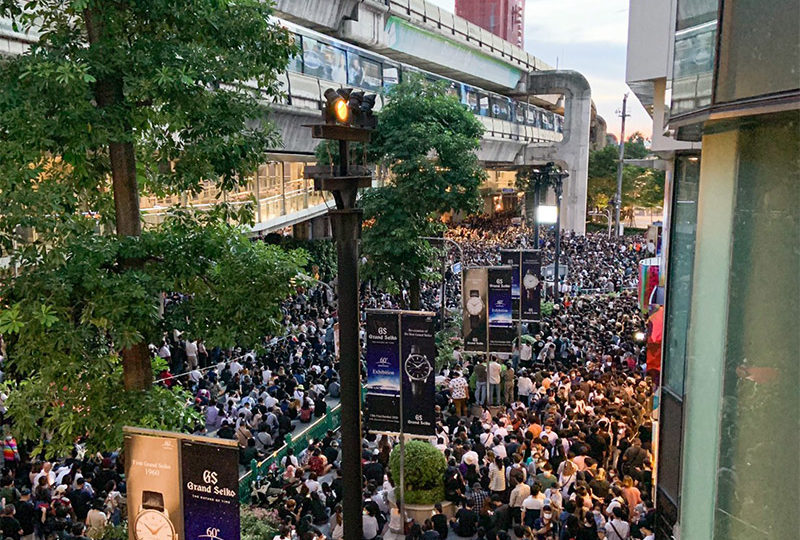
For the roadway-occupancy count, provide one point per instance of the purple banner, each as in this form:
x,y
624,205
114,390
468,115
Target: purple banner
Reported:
x,y
210,477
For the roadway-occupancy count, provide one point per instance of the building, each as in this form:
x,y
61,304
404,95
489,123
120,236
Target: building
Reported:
x,y
721,81
504,18
531,113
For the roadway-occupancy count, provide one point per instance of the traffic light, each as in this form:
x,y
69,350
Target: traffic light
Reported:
x,y
349,107
336,107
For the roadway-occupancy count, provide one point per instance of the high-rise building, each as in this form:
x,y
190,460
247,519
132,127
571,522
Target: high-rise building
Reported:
x,y
504,18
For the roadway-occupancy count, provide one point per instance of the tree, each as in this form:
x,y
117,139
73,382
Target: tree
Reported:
x,y
428,141
116,99
640,186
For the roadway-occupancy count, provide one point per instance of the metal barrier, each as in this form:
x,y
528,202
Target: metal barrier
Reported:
x,y
297,443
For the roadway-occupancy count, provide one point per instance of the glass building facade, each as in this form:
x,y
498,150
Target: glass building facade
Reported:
x,y
729,435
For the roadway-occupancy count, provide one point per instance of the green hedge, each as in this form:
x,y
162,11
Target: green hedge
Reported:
x,y
424,472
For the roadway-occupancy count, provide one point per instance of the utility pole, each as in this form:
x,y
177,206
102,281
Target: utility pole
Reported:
x,y
618,198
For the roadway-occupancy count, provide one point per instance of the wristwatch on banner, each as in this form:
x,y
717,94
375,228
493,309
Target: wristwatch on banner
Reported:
x,y
152,522
530,282
418,370
474,308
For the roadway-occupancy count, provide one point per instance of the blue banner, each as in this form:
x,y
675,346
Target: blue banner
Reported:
x,y
512,258
210,477
383,371
418,351
501,321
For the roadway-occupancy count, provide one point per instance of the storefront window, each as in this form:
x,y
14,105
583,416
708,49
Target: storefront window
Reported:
x,y
683,235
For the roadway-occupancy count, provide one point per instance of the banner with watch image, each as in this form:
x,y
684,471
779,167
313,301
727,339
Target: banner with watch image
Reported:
x,y
383,371
475,317
152,475
501,322
418,356
530,286
512,258
210,479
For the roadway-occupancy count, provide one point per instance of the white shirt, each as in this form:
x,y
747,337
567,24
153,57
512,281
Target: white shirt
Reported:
x,y
616,529
494,373
524,386
191,348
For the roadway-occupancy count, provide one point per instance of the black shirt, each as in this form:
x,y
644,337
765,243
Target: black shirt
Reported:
x,y
466,520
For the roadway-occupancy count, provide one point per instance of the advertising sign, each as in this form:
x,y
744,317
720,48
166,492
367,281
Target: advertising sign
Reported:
x,y
383,370
418,354
181,487
210,479
154,496
512,258
530,286
501,322
474,295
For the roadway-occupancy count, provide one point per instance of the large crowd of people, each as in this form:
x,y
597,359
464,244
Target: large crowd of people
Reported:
x,y
549,442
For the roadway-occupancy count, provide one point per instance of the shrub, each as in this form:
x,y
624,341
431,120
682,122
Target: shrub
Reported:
x,y
424,472
258,523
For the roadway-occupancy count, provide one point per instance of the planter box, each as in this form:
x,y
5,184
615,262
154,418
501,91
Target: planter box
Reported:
x,y
421,512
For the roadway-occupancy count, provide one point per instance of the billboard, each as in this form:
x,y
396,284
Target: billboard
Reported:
x,y
530,286
474,296
152,472
181,487
418,351
210,480
383,371
512,258
501,322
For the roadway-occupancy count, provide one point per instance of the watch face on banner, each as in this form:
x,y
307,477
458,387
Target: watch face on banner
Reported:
x,y
475,314
152,473
418,351
531,290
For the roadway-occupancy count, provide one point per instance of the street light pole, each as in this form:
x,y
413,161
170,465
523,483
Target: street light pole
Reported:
x,y
557,180
444,265
347,117
618,198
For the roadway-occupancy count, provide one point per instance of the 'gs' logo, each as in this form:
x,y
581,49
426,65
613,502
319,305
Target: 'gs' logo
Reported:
x,y
209,477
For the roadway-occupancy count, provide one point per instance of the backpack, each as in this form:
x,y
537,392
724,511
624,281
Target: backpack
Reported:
x,y
305,415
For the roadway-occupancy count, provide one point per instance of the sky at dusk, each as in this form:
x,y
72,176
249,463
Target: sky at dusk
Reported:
x,y
589,36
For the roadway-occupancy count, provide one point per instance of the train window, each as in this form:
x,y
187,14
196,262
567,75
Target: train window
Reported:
x,y
483,109
296,61
472,101
391,76
324,61
547,121
454,89
501,108
559,124
363,72
532,117
520,109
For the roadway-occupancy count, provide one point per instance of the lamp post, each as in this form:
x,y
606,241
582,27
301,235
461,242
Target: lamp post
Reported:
x,y
444,269
556,177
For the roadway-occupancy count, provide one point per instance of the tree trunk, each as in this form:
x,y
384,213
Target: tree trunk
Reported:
x,y
414,293
109,92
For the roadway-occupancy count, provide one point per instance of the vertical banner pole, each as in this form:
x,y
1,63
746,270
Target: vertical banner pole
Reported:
x,y
402,433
